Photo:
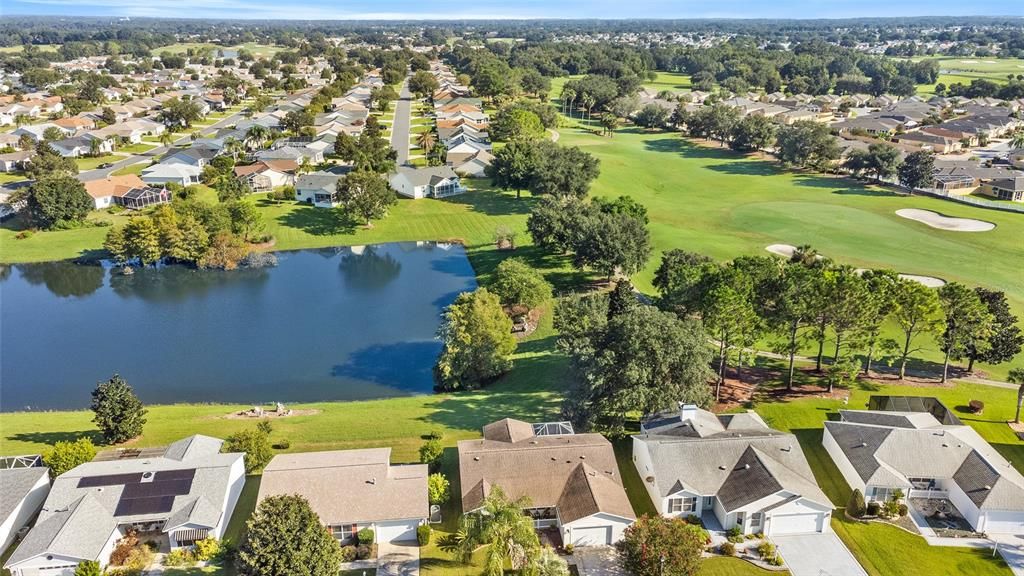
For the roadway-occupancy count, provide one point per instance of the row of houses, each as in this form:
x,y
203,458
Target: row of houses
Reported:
x,y
461,124
732,471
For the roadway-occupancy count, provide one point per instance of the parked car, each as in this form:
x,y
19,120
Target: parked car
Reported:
x,y
106,165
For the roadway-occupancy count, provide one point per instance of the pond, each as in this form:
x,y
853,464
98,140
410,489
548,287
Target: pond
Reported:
x,y
333,324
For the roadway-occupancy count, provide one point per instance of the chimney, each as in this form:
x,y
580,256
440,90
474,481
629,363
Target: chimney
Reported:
x,y
687,412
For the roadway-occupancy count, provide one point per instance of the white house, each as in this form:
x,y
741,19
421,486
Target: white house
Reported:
x,y
318,189
164,173
22,492
354,489
572,480
80,146
433,182
732,470
184,493
925,451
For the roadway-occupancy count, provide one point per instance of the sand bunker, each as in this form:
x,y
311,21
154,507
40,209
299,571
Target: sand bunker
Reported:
x,y
784,250
936,220
929,281
968,61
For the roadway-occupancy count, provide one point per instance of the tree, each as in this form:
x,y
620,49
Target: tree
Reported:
x,y
500,528
246,218
917,169
513,166
88,568
806,143
752,133
621,299
855,506
1017,377
516,283
225,252
425,140
176,112
794,310
609,122
285,537
514,123
651,116
916,311
255,443
57,199
366,195
659,546
534,83
477,338
423,84
549,563
678,278
883,160
65,455
878,308
431,451
562,170
138,240
438,489
611,243
1006,338
727,310
849,311
968,322
117,411
52,134
644,360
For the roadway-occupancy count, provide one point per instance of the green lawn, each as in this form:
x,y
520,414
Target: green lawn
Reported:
x,y
132,169
6,177
964,69
137,148
672,81
40,47
94,162
735,567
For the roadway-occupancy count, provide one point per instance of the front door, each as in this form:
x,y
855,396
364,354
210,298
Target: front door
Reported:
x,y
740,518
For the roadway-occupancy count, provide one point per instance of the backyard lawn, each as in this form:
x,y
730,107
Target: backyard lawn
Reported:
x,y
91,163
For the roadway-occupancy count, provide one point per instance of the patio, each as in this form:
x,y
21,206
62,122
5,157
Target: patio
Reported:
x,y
942,517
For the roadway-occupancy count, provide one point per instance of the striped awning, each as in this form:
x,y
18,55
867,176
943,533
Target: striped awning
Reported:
x,y
190,535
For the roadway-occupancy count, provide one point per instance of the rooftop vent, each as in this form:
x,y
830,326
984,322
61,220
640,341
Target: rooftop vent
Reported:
x,y
722,467
372,480
746,466
476,458
987,487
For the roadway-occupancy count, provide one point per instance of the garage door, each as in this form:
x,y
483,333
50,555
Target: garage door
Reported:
x,y
796,523
400,531
1004,522
592,536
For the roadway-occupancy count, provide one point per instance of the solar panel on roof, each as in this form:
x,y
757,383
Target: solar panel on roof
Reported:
x,y
178,487
109,480
139,506
189,474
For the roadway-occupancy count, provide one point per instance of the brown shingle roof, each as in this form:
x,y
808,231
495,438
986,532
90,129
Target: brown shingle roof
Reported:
x,y
113,185
508,430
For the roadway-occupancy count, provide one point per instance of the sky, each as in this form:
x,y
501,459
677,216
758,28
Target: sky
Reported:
x,y
502,9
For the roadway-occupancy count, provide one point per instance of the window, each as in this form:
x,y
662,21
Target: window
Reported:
x,y
709,501
755,519
344,532
686,504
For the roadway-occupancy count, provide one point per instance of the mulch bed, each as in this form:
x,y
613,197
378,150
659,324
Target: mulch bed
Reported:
x,y
736,393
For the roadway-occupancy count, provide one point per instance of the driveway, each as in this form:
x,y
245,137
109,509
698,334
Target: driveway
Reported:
x,y
398,559
400,126
598,561
1011,548
817,555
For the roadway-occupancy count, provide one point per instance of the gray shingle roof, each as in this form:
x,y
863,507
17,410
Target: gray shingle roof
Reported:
x,y
15,484
748,481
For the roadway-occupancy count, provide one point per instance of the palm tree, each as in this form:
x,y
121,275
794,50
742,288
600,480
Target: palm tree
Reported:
x,y
94,147
425,140
568,95
610,122
500,527
256,136
166,139
1017,141
1017,377
588,102
805,254
232,146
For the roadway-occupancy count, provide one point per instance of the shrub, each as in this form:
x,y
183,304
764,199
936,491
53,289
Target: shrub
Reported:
x,y
890,509
179,558
431,451
283,444
903,510
365,536
423,534
116,209
256,446
727,549
88,568
265,426
775,560
64,456
438,489
766,550
568,548
139,558
122,549
855,507
363,551
207,549
434,435
24,235
873,508
976,406
693,519
348,553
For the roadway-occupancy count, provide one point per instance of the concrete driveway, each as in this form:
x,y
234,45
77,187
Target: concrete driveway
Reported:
x,y
398,559
817,555
1011,548
400,125
598,561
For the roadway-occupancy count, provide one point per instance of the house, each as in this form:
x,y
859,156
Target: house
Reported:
x,y
475,166
731,470
22,492
81,146
194,156
433,182
354,489
13,161
179,173
318,189
1016,158
178,495
267,175
1011,189
916,445
75,123
105,191
571,480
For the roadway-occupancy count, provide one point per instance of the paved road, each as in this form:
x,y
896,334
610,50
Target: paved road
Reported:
x,y
1012,550
159,150
400,126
